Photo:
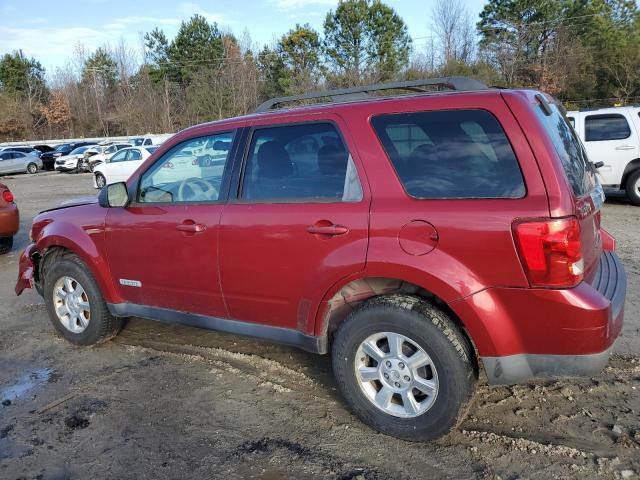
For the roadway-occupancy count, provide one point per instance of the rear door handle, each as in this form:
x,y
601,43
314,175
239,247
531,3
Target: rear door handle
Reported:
x,y
327,229
626,147
191,227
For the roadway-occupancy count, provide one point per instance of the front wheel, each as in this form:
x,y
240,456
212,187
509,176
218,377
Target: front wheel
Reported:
x,y
32,168
6,244
75,304
100,180
633,188
404,367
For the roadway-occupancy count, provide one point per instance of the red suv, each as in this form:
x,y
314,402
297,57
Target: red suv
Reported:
x,y
415,237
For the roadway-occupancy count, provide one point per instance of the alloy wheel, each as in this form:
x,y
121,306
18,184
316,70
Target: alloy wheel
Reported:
x,y
71,304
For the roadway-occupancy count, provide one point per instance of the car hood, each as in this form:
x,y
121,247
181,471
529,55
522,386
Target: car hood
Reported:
x,y
67,157
75,202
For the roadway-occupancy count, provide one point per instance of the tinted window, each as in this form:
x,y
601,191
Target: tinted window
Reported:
x,y
451,154
300,163
569,149
134,155
606,127
192,171
572,121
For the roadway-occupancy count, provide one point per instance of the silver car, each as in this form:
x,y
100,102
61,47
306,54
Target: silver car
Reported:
x,y
15,162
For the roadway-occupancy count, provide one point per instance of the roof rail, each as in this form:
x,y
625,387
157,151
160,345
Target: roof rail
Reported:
x,y
362,92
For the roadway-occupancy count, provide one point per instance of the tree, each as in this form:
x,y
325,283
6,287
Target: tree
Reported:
x,y
299,50
454,30
365,38
20,75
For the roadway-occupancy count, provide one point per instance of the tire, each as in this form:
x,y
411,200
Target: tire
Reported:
x,y
32,168
632,188
6,244
100,180
98,325
452,372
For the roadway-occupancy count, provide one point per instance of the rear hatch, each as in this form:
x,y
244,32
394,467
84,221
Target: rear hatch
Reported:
x,y
588,196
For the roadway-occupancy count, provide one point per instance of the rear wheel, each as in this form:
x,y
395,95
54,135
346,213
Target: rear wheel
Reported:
x,y
75,304
404,367
633,188
6,244
100,180
32,168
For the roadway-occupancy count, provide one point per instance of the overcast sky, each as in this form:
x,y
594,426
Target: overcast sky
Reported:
x,y
49,29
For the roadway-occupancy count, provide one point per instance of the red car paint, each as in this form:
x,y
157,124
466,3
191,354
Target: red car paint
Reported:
x,y
9,215
261,263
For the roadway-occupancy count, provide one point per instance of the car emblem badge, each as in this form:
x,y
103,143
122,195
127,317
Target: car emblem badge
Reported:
x,y
130,283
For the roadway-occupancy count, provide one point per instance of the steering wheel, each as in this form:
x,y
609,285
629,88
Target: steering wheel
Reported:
x,y
200,188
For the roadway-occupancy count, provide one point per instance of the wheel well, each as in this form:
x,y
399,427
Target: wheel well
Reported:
x,y
631,167
349,297
44,259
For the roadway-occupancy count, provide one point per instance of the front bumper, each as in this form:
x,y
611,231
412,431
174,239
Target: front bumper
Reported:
x,y
544,333
26,270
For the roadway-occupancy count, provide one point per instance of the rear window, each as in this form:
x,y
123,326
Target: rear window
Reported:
x,y
600,128
451,154
571,152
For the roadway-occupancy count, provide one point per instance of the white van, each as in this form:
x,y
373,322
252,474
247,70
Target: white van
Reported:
x,y
612,136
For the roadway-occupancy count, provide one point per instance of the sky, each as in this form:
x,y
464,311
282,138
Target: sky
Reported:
x,y
49,30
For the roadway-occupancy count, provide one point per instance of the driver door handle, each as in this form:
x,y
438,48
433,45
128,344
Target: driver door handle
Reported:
x,y
327,229
626,147
190,226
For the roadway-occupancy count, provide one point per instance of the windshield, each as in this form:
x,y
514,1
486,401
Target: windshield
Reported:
x,y
80,150
64,146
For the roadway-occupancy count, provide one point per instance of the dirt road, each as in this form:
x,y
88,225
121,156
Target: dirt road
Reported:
x,y
167,402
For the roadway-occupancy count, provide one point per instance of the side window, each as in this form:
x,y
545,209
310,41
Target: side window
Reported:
x,y
119,157
298,164
572,121
147,141
467,154
192,171
599,128
134,155
110,149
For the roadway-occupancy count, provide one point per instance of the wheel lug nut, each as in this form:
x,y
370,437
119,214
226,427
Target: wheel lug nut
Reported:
x,y
406,378
388,364
401,365
397,385
386,375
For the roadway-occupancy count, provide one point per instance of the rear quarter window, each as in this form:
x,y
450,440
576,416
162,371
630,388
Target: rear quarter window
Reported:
x,y
451,154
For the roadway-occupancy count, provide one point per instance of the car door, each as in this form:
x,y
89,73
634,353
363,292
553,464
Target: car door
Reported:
x,y
6,162
298,222
163,248
612,139
18,163
122,170
112,167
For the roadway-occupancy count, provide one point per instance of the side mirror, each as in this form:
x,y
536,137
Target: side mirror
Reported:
x,y
114,195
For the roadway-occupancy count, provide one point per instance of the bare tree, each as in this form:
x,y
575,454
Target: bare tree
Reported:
x,y
453,28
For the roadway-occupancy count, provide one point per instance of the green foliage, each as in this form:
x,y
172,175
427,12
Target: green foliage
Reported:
x,y
100,70
365,38
20,76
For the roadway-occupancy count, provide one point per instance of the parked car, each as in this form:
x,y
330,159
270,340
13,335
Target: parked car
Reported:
x,y
121,165
73,161
49,158
9,219
611,137
18,162
414,237
27,150
44,148
100,154
141,141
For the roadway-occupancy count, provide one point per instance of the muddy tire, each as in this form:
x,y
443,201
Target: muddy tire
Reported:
x,y
74,302
6,244
404,367
632,188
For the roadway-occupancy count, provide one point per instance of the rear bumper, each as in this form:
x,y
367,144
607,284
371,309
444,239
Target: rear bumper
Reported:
x,y
9,221
532,333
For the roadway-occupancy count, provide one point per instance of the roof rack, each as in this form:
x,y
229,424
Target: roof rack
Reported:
x,y
362,92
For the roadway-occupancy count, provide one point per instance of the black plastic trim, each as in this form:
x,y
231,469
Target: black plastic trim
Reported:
x,y
611,281
285,336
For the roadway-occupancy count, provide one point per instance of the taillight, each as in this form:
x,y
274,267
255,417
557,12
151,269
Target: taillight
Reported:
x,y
7,196
550,251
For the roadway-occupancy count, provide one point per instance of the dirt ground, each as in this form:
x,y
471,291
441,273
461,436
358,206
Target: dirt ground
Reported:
x,y
168,402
